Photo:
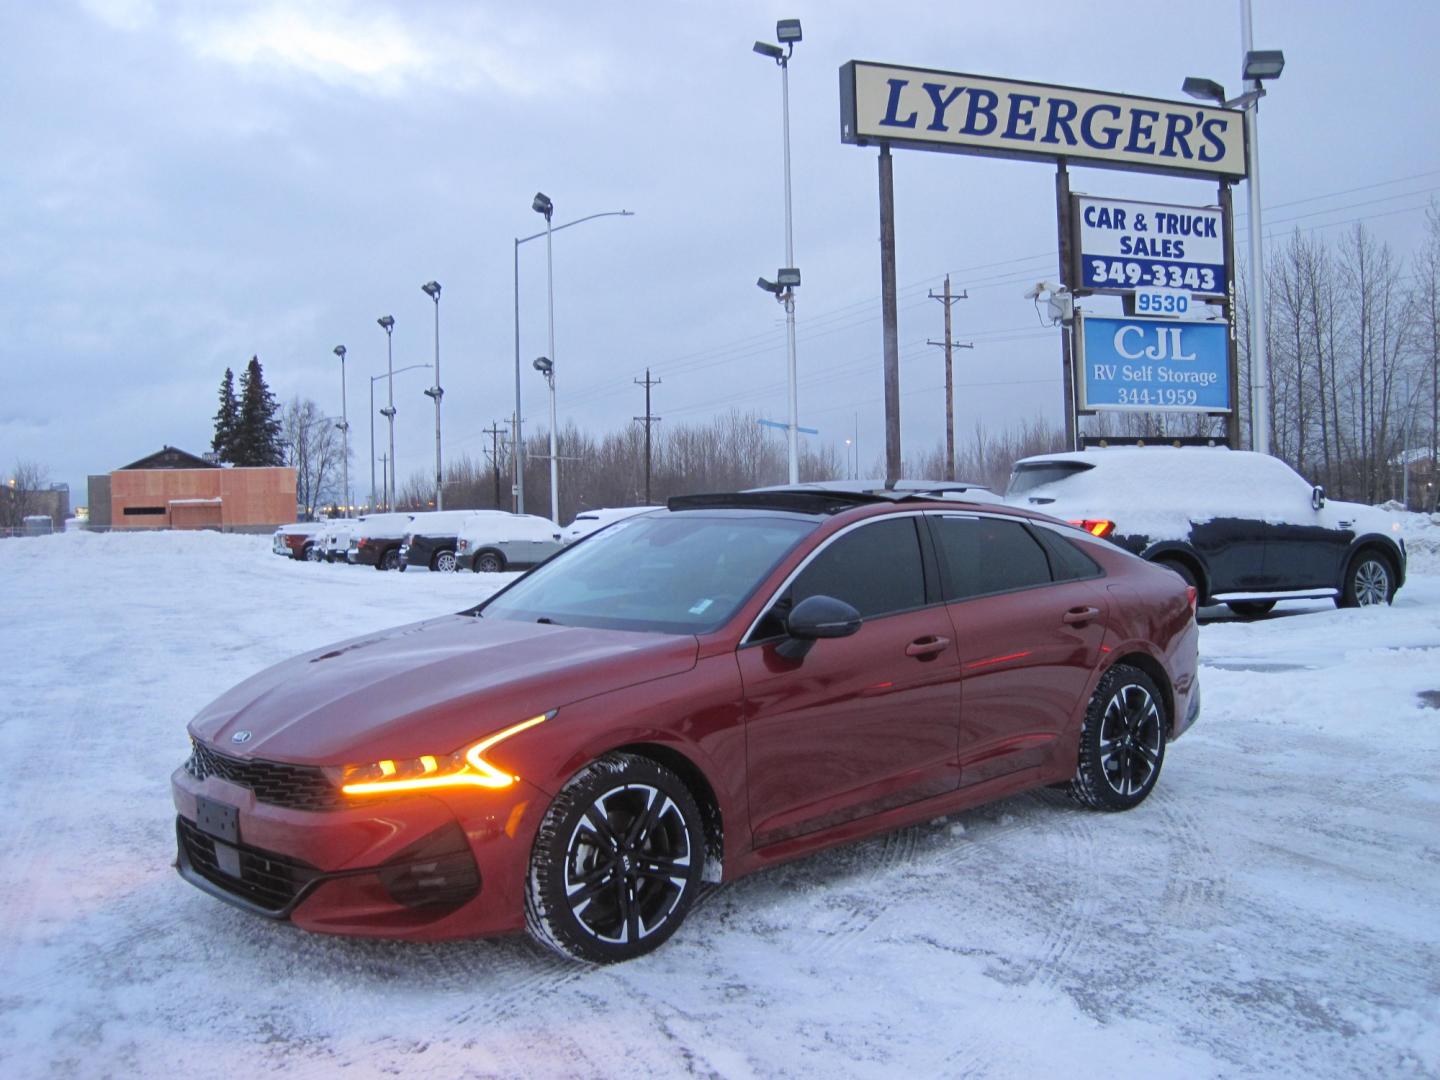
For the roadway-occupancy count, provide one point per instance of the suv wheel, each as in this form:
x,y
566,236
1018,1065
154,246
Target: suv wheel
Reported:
x,y
313,553
489,562
1369,580
446,563
1122,743
389,559
617,861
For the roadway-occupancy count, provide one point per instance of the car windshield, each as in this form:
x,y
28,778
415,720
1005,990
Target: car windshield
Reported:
x,y
668,573
1039,473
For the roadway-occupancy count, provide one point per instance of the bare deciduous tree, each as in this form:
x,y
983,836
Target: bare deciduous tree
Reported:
x,y
313,448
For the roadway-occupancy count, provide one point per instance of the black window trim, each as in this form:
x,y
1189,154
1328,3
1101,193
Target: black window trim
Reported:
x,y
1027,525
934,595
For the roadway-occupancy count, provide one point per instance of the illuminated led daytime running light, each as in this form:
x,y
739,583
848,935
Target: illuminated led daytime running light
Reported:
x,y
467,768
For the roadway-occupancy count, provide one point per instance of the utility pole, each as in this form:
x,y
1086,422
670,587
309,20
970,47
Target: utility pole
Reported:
x,y
495,431
649,419
947,299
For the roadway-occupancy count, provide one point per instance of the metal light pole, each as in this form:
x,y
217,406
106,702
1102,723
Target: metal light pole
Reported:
x,y
387,323
788,32
344,427
546,367
543,205
516,431
373,380
432,290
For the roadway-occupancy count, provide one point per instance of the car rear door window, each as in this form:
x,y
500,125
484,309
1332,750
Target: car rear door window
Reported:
x,y
876,568
980,556
1067,561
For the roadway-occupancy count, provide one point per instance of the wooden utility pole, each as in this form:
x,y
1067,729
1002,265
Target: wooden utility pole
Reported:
x,y
649,419
950,345
1067,363
495,431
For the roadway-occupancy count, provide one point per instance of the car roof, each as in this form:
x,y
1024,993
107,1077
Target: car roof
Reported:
x,y
819,501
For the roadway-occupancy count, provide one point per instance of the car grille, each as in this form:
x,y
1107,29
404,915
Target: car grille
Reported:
x,y
267,880
296,787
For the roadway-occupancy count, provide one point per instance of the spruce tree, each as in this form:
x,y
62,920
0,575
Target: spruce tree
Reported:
x,y
227,420
258,440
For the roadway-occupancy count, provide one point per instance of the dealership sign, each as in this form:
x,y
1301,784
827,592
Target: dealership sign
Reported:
x,y
1153,364
1124,246
976,114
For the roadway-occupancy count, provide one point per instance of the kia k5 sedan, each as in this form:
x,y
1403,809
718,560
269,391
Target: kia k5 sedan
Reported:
x,y
686,697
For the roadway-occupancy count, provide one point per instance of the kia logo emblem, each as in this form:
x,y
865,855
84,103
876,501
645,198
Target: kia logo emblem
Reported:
x,y
240,736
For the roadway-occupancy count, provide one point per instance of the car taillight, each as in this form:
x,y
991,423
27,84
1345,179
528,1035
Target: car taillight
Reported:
x,y
1096,526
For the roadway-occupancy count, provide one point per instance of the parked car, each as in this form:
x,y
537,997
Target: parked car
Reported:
x,y
297,541
376,540
687,696
490,544
432,538
588,521
1243,528
335,538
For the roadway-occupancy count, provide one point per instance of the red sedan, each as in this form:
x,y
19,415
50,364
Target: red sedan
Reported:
x,y
686,696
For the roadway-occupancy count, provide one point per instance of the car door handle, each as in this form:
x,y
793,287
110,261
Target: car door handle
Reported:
x,y
927,646
1077,615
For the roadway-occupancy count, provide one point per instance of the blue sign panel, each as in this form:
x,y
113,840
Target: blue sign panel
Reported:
x,y
1154,364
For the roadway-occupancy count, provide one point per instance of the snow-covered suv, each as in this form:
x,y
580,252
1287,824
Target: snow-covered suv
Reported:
x,y
1244,528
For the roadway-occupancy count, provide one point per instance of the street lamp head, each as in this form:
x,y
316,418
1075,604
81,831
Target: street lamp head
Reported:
x,y
774,52
1263,64
432,290
339,351
544,366
787,277
387,323
770,286
1204,89
543,205
788,31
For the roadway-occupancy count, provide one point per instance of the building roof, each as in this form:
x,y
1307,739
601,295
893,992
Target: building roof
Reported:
x,y
170,457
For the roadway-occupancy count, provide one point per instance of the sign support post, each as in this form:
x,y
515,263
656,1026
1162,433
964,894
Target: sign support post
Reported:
x,y
890,316
1227,215
1067,356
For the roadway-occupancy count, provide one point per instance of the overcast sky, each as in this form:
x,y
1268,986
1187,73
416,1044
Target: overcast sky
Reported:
x,y
183,185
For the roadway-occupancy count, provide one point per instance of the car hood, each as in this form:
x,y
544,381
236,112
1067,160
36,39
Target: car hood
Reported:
x,y
428,688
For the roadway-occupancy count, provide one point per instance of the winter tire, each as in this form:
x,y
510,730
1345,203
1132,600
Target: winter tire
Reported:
x,y
1369,580
313,553
1251,608
1122,743
489,562
389,559
616,863
446,563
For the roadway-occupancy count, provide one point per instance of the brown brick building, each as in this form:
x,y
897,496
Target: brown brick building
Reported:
x,y
173,489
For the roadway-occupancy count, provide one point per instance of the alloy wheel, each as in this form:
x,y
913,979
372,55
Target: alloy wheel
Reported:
x,y
1131,734
445,562
1372,583
627,864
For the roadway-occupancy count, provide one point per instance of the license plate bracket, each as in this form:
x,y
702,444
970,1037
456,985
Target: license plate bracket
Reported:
x,y
217,819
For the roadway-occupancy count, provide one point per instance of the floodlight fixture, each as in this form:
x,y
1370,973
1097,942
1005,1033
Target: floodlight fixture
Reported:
x,y
544,366
387,322
432,290
787,277
339,351
543,205
1263,64
788,31
774,52
770,286
1204,89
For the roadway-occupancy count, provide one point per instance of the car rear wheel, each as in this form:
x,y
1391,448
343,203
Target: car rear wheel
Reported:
x,y
313,553
389,559
1178,566
616,863
1251,608
445,562
1369,580
489,562
1122,743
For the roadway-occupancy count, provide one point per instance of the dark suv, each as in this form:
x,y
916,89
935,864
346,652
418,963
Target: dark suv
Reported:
x,y
1244,528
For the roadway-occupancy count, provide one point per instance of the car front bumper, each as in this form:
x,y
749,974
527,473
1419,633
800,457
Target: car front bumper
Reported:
x,y
419,867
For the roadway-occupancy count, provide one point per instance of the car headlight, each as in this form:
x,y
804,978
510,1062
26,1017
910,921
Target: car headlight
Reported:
x,y
466,767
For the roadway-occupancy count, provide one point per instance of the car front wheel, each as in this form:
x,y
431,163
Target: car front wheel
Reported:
x,y
489,562
616,863
1369,580
1122,743
446,563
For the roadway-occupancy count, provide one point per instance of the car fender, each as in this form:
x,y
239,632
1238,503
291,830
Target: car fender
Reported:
x,y
1376,540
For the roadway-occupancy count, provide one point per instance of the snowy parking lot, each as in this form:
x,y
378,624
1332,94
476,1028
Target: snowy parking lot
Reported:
x,y
1274,908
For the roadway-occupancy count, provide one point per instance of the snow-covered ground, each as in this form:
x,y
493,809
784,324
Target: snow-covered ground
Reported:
x,y
1274,908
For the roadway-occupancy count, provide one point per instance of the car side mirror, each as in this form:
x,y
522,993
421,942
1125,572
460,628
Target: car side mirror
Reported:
x,y
814,618
1317,497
